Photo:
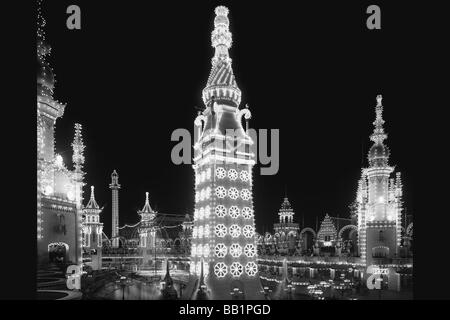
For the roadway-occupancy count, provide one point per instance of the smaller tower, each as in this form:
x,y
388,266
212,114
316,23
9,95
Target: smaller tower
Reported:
x,y
286,216
92,232
147,216
147,231
115,186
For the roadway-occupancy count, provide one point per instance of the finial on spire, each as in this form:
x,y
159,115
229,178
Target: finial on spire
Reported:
x,y
92,192
221,37
379,98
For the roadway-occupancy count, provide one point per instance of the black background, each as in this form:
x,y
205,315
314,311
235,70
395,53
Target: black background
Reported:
x,y
135,71
132,75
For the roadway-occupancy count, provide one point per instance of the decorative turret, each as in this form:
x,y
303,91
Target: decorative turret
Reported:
x,y
147,213
221,83
92,205
286,213
92,228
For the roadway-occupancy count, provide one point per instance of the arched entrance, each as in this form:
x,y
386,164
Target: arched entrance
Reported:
x,y
307,237
58,252
348,235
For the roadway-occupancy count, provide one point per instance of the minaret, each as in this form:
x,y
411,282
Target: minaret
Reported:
x,y
115,186
379,200
223,236
92,231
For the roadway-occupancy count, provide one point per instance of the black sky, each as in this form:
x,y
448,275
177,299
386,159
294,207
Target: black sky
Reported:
x,y
134,73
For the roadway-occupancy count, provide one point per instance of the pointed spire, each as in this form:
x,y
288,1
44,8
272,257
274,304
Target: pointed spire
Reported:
x,y
92,204
147,212
378,135
146,208
78,148
221,82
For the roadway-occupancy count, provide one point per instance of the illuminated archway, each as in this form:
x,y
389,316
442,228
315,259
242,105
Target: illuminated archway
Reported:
x,y
347,227
303,239
58,252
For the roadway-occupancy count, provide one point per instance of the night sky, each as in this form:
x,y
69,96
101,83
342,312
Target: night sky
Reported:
x,y
134,73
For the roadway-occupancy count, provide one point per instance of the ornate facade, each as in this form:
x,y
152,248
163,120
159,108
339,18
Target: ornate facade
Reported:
x,y
59,190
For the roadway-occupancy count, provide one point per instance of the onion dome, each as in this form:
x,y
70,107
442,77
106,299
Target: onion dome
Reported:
x,y
378,153
221,84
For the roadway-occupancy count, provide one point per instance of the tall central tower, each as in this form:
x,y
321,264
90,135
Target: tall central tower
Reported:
x,y
223,251
379,201
115,186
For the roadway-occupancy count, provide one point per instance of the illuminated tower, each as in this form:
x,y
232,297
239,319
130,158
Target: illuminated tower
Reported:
x,y
379,201
115,186
147,231
59,190
92,232
223,236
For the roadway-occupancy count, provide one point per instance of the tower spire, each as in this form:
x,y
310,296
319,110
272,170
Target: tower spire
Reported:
x,y
378,135
78,148
378,153
221,83
92,204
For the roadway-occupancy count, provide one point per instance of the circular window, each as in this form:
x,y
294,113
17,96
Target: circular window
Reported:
x,y
221,192
221,211
244,175
235,250
220,173
236,269
247,213
220,250
232,174
220,230
251,268
233,193
250,250
245,194
235,230
220,269
234,212
248,231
